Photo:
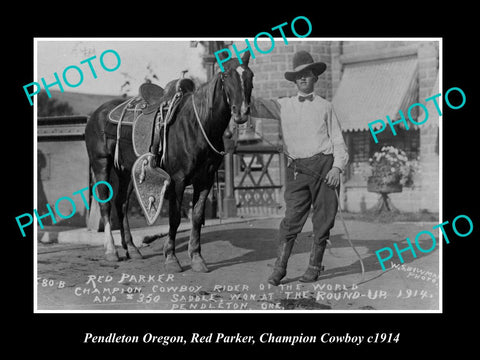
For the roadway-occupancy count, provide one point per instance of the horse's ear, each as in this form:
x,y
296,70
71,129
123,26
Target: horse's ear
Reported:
x,y
222,54
231,64
245,59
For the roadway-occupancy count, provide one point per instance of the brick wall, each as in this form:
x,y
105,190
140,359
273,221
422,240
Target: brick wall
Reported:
x,y
269,82
428,62
269,69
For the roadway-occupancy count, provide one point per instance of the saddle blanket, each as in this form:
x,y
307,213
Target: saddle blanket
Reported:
x,y
130,109
136,127
125,132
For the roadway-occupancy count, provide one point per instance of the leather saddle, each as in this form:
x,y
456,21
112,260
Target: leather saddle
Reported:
x,y
149,112
151,93
149,115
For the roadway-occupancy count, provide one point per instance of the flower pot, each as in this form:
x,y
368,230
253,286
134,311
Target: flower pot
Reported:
x,y
374,185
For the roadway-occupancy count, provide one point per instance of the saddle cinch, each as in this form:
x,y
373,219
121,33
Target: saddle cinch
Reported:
x,y
149,114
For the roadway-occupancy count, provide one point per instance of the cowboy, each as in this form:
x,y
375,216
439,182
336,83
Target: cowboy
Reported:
x,y
317,155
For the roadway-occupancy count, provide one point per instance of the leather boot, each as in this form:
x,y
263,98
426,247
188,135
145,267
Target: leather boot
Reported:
x,y
315,263
280,268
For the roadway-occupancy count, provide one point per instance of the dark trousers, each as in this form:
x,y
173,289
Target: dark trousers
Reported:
x,y
305,188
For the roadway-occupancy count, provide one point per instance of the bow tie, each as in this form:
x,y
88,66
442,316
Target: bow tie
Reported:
x,y
303,98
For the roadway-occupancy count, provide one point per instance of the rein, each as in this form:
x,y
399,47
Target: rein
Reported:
x,y
222,153
197,117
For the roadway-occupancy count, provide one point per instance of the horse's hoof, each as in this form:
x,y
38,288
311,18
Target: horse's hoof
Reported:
x,y
133,253
172,265
198,264
112,257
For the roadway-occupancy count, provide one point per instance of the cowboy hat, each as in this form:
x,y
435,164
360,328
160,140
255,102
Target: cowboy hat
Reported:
x,y
302,60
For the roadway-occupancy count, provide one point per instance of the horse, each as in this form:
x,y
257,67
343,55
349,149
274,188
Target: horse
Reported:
x,y
192,158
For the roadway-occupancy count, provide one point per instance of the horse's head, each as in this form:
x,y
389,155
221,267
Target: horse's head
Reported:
x,y
238,84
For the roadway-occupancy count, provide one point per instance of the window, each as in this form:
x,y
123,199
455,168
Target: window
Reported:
x,y
406,140
361,148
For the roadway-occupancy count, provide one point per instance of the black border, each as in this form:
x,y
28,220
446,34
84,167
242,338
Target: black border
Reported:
x,y
420,333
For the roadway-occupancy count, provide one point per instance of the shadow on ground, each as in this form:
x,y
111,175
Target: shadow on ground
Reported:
x,y
262,246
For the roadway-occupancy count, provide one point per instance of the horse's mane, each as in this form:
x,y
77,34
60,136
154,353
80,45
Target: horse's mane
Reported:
x,y
205,95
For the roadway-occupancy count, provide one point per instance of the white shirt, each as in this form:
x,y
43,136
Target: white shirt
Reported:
x,y
308,127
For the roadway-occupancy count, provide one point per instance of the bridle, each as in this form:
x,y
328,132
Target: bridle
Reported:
x,y
223,75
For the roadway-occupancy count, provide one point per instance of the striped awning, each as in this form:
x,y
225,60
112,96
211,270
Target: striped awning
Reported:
x,y
371,90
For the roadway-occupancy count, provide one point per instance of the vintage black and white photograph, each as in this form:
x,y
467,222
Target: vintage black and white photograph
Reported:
x,y
271,174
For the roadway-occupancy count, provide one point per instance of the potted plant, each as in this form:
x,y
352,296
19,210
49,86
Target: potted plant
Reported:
x,y
388,172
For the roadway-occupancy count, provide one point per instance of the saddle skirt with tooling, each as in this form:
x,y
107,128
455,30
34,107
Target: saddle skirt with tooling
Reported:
x,y
148,116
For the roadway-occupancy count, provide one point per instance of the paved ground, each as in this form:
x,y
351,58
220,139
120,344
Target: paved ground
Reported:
x,y
73,276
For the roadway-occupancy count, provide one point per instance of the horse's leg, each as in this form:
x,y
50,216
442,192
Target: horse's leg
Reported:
x,y
200,193
101,169
175,196
125,188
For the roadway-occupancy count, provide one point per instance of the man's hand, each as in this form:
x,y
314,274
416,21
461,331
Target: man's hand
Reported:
x,y
333,177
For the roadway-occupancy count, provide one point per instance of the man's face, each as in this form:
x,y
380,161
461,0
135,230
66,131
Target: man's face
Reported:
x,y
305,81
